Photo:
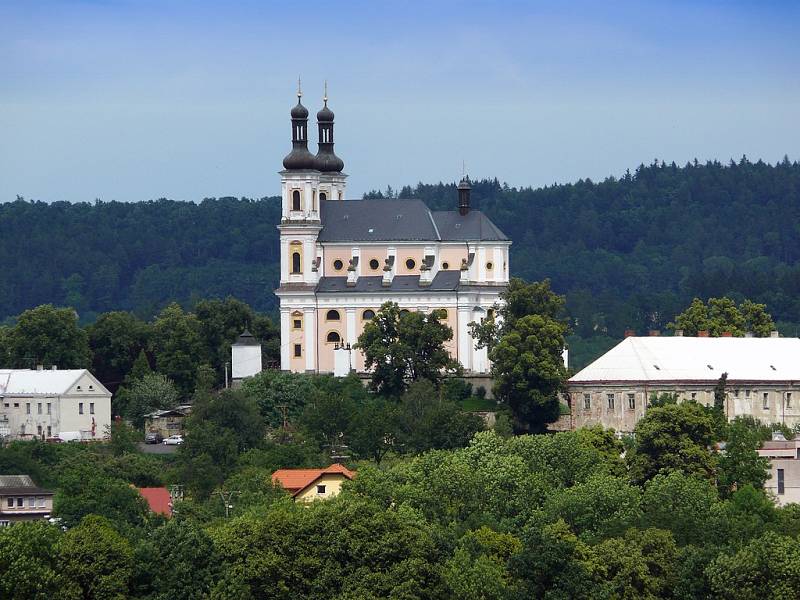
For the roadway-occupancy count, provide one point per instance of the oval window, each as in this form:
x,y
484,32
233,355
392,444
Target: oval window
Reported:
x,y
410,263
368,315
334,337
374,264
338,264
489,266
445,266
333,315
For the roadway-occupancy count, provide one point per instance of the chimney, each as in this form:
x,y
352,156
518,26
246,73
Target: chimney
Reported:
x,y
40,367
654,333
702,333
464,189
629,333
726,334
774,333
679,333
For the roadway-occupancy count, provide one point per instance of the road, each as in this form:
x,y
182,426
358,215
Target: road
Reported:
x,y
157,448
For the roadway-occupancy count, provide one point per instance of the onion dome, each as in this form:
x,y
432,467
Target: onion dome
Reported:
x,y
299,157
326,160
325,115
299,111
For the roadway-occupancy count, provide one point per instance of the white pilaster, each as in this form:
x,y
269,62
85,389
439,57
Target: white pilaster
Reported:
x,y
464,338
351,326
498,270
285,350
481,260
310,321
284,259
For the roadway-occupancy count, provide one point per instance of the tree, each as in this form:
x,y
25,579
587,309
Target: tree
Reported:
x,y
721,315
400,347
740,463
374,429
116,340
151,392
679,503
47,335
675,437
97,558
278,393
177,345
124,438
526,348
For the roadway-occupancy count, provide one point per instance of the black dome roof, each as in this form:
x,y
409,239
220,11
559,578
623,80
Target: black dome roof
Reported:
x,y
299,158
299,111
325,114
328,162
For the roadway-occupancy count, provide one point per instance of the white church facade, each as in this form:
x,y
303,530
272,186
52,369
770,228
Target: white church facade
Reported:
x,y
342,259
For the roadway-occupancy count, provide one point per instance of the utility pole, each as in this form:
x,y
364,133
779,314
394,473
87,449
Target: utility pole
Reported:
x,y
226,375
227,498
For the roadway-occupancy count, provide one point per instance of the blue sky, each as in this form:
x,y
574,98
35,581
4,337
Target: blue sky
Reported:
x,y
139,100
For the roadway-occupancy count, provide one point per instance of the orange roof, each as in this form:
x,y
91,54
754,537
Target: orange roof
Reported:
x,y
296,480
158,499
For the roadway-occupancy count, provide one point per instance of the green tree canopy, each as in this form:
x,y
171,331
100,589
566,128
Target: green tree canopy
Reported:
x,y
722,315
47,335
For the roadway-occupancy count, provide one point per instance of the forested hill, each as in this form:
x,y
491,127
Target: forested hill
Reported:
x,y
627,252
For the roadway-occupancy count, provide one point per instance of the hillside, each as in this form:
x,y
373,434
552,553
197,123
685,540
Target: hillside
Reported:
x,y
627,252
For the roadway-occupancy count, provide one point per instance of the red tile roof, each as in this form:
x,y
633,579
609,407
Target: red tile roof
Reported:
x,y
158,499
296,480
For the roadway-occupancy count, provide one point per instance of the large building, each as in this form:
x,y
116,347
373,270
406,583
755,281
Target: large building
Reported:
x,y
763,378
48,403
342,259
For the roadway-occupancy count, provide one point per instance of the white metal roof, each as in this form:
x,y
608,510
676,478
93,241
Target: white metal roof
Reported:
x,y
696,359
29,381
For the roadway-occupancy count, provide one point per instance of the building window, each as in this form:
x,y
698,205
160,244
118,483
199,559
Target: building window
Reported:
x,y
49,431
10,503
445,265
735,393
694,396
334,337
747,393
39,431
320,489
19,502
39,408
48,408
296,200
91,408
338,265
632,401
766,400
80,408
297,323
332,315
610,401
323,196
410,264
31,502
368,314
788,399
489,266
298,350
295,262
40,501
781,488
16,404
587,402
28,408
374,263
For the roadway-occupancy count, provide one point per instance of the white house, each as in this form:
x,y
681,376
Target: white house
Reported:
x,y
68,404
763,378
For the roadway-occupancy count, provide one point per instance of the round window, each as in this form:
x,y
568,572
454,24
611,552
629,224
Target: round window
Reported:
x,y
338,264
374,264
489,266
445,266
410,263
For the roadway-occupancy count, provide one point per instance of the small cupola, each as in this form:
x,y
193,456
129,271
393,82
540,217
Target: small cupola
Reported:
x,y
326,160
299,158
464,189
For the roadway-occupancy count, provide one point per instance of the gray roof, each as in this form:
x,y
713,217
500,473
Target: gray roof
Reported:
x,y
445,281
400,220
20,484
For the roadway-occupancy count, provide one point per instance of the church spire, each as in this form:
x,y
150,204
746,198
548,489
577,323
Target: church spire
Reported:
x,y
299,157
326,160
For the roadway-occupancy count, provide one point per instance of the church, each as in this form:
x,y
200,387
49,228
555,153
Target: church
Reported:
x,y
342,259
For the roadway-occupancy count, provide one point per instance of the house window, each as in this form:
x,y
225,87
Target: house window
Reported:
x,y
735,393
295,262
334,337
91,408
49,431
747,393
632,401
28,408
781,488
297,323
332,315
587,402
374,264
39,430
410,264
48,408
10,503
368,314
788,399
31,502
80,408
16,404
610,401
39,408
766,400
320,489
5,523
296,200
40,501
298,350
19,502
338,265
694,396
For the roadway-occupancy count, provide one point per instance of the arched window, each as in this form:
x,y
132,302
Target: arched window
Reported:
x,y
333,315
295,262
296,200
368,314
323,196
334,337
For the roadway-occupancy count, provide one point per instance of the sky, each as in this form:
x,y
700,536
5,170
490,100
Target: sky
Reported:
x,y
138,100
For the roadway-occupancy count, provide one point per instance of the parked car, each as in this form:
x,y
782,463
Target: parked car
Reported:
x,y
153,437
173,440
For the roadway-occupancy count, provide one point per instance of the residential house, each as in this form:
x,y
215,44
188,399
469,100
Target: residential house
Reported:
x,y
784,459
168,422
22,500
306,485
67,404
158,499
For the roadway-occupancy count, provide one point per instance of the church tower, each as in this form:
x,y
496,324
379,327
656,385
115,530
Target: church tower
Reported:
x,y
332,184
